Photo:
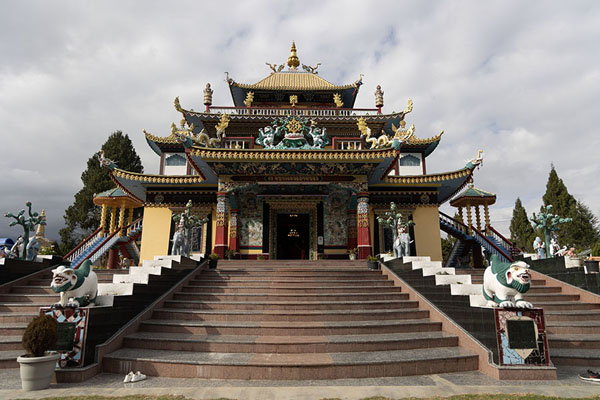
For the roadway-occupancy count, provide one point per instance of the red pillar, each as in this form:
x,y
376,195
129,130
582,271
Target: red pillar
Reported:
x,y
363,234
112,260
233,240
221,231
351,228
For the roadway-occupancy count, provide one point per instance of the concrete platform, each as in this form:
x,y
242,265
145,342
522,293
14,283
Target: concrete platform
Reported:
x,y
568,385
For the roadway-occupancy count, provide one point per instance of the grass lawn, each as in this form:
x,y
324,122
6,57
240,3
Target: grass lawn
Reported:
x,y
457,397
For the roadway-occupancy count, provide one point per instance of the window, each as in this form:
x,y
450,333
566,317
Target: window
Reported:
x,y
176,160
410,161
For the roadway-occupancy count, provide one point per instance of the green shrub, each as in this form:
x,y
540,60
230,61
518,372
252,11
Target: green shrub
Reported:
x,y
213,256
41,334
371,258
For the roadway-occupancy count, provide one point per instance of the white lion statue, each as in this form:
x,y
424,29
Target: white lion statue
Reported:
x,y
77,287
505,283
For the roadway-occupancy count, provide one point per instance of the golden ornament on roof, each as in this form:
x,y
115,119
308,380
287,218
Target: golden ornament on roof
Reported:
x,y
293,62
293,100
249,99
337,99
294,126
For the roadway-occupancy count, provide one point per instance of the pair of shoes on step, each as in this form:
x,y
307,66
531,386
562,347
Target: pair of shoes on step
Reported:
x,y
590,376
131,377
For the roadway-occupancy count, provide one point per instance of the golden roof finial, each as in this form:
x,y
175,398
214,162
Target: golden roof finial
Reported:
x,y
293,62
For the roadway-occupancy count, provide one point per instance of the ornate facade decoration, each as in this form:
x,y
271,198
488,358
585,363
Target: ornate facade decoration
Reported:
x,y
208,92
337,99
378,97
362,211
249,99
221,209
292,132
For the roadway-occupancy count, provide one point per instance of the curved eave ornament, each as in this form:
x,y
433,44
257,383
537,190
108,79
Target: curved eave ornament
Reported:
x,y
447,184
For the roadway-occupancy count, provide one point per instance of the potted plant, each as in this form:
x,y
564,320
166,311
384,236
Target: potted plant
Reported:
x,y
213,258
372,262
229,253
37,366
352,253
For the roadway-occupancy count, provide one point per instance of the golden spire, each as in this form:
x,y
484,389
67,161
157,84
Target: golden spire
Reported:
x,y
293,62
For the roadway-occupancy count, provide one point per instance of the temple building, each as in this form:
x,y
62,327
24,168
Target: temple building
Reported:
x,y
291,170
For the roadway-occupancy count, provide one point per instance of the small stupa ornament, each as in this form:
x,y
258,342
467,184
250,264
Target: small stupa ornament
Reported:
x,y
378,97
293,62
208,92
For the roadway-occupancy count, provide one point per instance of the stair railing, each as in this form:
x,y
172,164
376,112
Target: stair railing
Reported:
x,y
514,250
489,245
84,245
456,224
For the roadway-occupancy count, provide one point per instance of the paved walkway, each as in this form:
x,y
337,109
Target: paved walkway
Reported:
x,y
567,385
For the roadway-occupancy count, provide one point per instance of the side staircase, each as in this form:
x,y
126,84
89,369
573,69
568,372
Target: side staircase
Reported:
x,y
572,324
290,320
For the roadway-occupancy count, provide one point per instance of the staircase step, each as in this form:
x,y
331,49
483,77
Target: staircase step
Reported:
x,y
289,305
550,297
32,290
11,317
29,298
286,289
13,329
566,305
572,315
289,344
22,307
320,297
573,341
573,327
11,342
582,357
291,282
289,315
290,366
8,358
289,328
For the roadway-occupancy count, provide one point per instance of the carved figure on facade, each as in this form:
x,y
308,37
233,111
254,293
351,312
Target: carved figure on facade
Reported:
x,y
275,67
337,99
548,223
249,99
399,224
539,248
312,70
292,132
505,283
28,224
105,162
186,222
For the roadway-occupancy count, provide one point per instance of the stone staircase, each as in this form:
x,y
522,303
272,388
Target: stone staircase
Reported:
x,y
572,325
21,304
290,320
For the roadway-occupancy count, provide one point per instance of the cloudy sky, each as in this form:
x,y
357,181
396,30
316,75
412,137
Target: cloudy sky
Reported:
x,y
518,79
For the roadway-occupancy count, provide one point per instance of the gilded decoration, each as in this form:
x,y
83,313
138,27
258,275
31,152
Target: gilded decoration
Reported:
x,y
328,168
250,218
249,99
335,214
222,205
261,155
337,99
143,178
292,132
362,211
293,62
293,100
378,96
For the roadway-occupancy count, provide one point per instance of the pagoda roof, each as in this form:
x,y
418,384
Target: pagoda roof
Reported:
x,y
135,184
294,81
116,197
473,196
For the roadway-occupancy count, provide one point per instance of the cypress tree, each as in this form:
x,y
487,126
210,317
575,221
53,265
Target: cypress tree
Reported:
x,y
522,233
83,217
582,232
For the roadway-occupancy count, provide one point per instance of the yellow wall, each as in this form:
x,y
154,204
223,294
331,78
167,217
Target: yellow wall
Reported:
x,y
428,240
155,233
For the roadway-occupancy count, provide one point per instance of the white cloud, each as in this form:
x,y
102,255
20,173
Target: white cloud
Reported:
x,y
518,79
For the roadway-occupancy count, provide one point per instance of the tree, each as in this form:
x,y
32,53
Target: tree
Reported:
x,y
82,217
582,232
522,233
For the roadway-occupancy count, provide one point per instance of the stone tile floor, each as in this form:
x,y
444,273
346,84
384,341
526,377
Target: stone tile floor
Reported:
x,y
567,385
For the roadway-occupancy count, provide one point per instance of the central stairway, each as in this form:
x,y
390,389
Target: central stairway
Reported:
x,y
290,320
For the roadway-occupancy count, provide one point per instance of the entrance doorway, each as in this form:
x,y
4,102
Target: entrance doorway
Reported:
x,y
293,236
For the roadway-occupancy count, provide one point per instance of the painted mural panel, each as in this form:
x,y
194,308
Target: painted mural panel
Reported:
x,y
335,210
250,225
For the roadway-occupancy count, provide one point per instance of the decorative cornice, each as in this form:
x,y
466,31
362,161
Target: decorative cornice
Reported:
x,y
434,178
144,178
282,155
171,139
418,141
